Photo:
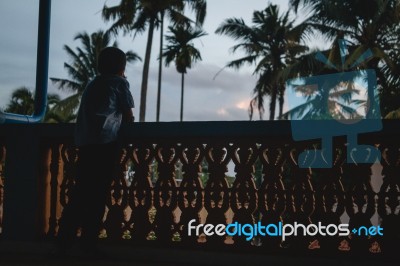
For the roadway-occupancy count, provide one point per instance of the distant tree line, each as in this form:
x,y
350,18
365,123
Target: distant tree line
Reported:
x,y
274,44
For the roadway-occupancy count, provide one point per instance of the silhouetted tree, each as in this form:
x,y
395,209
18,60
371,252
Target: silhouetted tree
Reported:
x,y
181,50
83,67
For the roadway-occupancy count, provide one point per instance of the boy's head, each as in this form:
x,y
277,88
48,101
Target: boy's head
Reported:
x,y
111,61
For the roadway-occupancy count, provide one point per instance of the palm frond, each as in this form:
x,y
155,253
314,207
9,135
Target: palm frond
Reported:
x,y
66,84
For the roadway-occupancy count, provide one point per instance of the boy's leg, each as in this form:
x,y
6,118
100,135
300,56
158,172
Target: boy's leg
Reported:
x,y
103,170
73,211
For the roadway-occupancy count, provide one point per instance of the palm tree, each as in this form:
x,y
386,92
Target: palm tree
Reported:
x,y
199,6
54,113
23,101
160,59
328,101
181,50
269,45
137,15
371,26
83,67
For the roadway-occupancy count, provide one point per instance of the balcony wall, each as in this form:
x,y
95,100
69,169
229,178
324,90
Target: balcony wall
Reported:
x,y
2,159
151,202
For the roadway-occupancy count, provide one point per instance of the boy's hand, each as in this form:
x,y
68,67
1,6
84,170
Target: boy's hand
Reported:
x,y
128,117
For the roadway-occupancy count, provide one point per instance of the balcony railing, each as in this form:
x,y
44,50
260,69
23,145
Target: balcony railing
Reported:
x,y
2,159
213,172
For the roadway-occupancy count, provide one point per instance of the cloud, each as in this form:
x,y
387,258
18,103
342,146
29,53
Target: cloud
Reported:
x,y
221,114
203,77
205,99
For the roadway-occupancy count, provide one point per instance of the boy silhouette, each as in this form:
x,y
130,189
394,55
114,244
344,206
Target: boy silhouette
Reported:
x,y
106,103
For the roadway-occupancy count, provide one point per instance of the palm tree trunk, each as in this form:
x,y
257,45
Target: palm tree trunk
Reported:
x,y
182,93
272,105
281,100
160,68
145,74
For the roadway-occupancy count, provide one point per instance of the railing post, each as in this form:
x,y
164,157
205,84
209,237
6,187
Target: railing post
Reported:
x,y
2,159
117,200
190,196
300,201
244,192
271,194
165,192
216,192
140,192
330,201
360,202
21,195
388,200
54,198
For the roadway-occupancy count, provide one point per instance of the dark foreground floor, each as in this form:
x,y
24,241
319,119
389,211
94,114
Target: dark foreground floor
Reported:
x,y
37,253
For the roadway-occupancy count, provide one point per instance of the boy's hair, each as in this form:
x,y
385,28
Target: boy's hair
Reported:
x,y
111,61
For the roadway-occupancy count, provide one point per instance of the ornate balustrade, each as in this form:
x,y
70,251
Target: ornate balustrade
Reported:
x,y
147,205
2,159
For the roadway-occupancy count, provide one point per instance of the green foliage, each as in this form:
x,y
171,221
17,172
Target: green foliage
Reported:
x,y
23,102
180,49
269,45
373,26
275,46
83,67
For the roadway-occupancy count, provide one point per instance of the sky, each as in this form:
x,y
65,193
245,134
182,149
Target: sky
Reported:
x,y
207,97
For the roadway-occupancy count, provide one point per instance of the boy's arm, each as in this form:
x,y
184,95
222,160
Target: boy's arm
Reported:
x,y
127,116
126,102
